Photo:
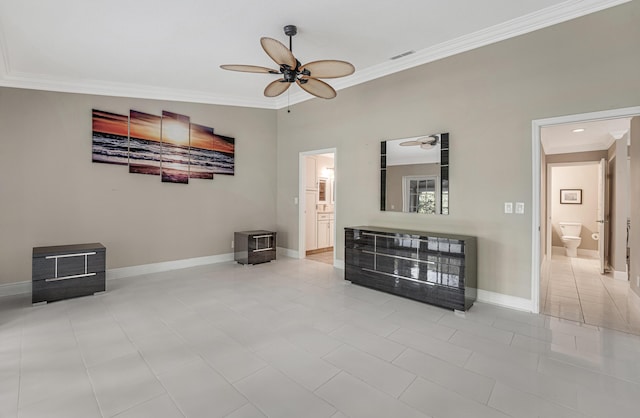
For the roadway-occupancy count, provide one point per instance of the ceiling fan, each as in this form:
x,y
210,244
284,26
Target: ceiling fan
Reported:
x,y
425,142
306,76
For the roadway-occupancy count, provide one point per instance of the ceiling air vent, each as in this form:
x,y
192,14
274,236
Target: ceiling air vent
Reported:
x,y
404,54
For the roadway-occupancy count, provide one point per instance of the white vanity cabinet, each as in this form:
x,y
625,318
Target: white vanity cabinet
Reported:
x,y
325,234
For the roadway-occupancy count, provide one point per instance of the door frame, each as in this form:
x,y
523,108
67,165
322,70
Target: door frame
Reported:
x,y
536,145
302,197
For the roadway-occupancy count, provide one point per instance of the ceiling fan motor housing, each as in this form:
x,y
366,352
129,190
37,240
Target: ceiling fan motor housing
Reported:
x,y
290,74
290,30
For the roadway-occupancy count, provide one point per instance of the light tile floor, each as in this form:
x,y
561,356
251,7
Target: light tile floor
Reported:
x,y
573,288
291,338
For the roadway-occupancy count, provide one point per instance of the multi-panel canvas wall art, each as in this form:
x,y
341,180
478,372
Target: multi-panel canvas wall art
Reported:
x,y
110,133
202,155
169,146
144,143
175,148
224,160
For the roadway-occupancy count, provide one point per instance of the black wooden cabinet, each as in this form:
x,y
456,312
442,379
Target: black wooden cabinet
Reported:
x,y
439,269
67,271
254,247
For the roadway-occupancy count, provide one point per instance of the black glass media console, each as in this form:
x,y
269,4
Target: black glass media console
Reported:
x,y
435,268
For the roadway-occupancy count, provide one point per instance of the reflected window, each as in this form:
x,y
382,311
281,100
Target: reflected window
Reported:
x,y
420,194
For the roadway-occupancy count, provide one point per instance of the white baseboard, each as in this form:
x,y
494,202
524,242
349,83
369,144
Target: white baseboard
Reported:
x,y
581,252
620,275
18,288
287,252
119,273
558,250
588,253
339,264
167,266
506,301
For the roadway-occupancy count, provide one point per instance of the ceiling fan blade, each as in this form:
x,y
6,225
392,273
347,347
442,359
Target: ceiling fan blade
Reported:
x,y
329,69
276,88
425,142
316,87
410,143
428,145
278,52
249,69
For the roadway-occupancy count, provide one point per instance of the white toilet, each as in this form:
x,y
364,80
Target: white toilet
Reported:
x,y
571,237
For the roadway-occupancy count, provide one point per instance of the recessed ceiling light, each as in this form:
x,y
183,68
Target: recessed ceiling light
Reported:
x,y
578,130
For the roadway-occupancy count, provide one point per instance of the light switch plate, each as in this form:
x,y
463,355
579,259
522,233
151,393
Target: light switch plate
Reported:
x,y
508,207
520,208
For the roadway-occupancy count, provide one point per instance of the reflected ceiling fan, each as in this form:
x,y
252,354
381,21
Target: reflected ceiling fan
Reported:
x,y
425,142
306,76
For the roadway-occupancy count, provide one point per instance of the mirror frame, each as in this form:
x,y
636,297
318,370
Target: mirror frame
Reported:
x,y
444,173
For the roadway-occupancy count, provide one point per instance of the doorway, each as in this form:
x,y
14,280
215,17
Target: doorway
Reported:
x,y
317,206
572,286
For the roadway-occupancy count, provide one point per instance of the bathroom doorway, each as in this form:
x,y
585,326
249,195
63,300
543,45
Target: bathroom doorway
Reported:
x,y
584,194
582,214
317,214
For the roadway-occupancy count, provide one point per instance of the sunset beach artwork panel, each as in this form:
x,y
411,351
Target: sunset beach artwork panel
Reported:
x,y
110,138
224,155
144,143
175,148
201,153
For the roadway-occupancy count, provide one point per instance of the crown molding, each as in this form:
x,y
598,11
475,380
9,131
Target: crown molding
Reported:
x,y
105,88
563,12
540,19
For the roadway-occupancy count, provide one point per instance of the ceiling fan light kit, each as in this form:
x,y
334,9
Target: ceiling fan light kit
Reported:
x,y
306,76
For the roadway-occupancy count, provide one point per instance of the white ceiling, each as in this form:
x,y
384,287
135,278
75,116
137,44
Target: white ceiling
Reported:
x,y
597,135
172,50
403,155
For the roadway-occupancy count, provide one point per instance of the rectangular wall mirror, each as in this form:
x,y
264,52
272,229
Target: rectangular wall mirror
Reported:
x,y
414,174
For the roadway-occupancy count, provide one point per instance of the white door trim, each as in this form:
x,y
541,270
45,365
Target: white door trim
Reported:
x,y
302,196
536,126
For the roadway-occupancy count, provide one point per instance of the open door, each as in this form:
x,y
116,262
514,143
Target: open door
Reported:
x,y
602,178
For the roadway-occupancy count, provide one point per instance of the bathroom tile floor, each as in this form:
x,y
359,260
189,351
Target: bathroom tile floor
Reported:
x,y
323,257
291,338
573,288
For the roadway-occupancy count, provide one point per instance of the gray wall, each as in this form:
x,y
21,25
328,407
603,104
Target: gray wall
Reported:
x,y
486,99
51,193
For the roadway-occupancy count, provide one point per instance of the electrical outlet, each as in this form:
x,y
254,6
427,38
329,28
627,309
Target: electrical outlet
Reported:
x,y
232,244
508,207
520,208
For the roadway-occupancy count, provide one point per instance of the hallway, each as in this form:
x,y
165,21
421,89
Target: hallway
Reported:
x,y
573,288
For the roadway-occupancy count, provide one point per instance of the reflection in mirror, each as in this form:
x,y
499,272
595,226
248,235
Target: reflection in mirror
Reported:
x,y
414,174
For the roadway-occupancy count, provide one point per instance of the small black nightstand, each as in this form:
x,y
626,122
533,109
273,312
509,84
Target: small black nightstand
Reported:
x,y
255,247
67,271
